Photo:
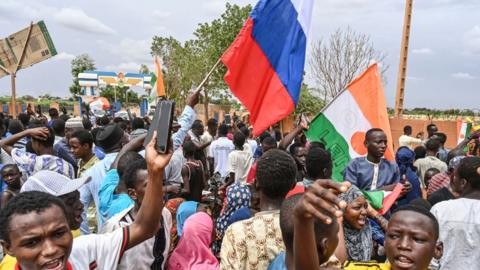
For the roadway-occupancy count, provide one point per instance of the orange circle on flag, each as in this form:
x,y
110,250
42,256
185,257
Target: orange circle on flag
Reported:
x,y
357,143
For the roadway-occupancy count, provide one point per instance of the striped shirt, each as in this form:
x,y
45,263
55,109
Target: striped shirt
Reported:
x,y
438,182
29,163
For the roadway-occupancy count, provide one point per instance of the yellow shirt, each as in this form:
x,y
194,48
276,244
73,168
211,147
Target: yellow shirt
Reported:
x,y
9,262
366,266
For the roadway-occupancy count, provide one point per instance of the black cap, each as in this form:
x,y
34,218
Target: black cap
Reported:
x,y
109,136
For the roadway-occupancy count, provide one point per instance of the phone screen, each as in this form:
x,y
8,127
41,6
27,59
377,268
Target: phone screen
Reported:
x,y
167,109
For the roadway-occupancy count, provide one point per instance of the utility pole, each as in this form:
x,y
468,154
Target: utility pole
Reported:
x,y
402,71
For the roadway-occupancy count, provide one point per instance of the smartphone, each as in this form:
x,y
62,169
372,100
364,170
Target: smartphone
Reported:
x,y
228,119
153,125
164,126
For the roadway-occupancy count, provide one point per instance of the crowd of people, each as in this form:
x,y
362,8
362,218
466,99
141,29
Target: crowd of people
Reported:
x,y
83,194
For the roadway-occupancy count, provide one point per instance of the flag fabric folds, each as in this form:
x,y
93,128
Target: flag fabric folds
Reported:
x,y
464,129
265,63
383,200
342,125
158,87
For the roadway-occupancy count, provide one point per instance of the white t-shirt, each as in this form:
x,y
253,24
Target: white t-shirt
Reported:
x,y
206,138
219,150
141,256
459,222
239,163
99,251
253,144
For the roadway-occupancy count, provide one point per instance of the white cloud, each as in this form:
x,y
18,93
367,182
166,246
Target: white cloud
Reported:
x,y
463,76
214,6
15,10
471,40
130,50
423,51
161,15
64,56
77,19
124,67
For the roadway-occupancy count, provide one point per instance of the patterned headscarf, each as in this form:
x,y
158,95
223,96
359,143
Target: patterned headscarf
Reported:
x,y
238,196
358,242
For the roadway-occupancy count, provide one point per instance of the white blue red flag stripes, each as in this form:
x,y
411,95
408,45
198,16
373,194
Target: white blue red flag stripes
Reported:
x,y
266,61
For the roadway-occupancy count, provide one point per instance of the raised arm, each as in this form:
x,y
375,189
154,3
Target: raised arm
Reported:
x,y
459,149
186,120
320,197
147,220
40,133
134,145
287,140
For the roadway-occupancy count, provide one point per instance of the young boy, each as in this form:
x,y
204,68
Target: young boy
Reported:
x,y
193,174
34,228
11,175
240,160
253,243
411,237
325,236
152,253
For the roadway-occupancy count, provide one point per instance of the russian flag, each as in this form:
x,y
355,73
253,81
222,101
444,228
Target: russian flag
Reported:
x,y
266,60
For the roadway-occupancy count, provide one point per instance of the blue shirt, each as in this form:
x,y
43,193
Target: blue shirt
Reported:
x,y
63,151
111,203
89,191
185,121
278,263
360,172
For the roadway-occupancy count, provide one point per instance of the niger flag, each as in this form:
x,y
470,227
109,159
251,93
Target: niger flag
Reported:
x,y
157,79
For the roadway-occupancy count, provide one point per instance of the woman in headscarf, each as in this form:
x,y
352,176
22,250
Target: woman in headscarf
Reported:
x,y
238,196
405,159
185,210
357,229
193,250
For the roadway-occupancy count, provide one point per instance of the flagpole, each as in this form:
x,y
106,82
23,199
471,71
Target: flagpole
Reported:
x,y
199,87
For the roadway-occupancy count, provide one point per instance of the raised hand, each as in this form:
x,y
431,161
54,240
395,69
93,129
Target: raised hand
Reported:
x,y
40,133
322,195
156,162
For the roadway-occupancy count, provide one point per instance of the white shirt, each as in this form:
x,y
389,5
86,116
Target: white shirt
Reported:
x,y
408,141
141,256
459,222
253,144
206,138
103,251
219,150
239,163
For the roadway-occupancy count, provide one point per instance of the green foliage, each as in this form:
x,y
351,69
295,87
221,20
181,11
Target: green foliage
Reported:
x,y
80,64
144,69
186,64
109,93
308,103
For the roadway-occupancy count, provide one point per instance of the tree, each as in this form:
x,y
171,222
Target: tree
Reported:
x,y
109,93
308,103
186,64
212,39
144,69
336,62
80,64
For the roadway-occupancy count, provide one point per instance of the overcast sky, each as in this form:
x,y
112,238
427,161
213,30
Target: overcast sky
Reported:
x,y
443,68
